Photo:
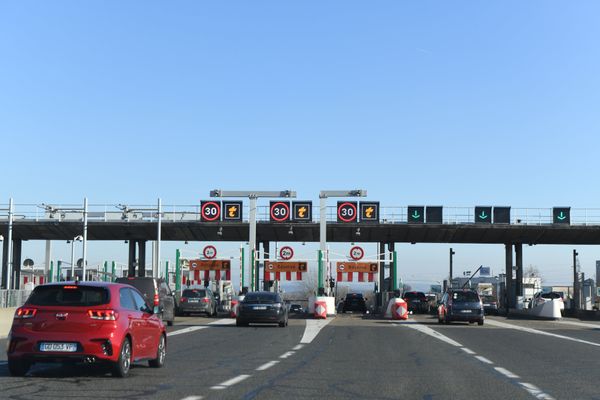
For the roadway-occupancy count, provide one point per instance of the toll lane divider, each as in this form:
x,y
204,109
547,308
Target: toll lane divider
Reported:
x,y
531,389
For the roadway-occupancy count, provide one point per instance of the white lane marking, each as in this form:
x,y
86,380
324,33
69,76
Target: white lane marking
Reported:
x,y
582,324
507,373
288,354
192,398
267,365
298,347
428,331
535,391
186,330
532,389
313,327
468,351
224,321
230,382
538,332
483,359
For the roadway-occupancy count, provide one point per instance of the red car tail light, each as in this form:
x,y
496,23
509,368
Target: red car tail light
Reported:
x,y
156,300
205,300
104,315
184,299
23,313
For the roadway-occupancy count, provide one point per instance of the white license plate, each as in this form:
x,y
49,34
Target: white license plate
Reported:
x,y
62,347
260,308
465,311
486,305
193,300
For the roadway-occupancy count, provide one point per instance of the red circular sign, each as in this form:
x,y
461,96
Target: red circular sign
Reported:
x,y
280,211
210,252
347,212
286,253
211,211
356,253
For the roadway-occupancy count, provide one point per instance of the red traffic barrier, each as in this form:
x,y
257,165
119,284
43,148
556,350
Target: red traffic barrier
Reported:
x,y
320,309
234,309
399,309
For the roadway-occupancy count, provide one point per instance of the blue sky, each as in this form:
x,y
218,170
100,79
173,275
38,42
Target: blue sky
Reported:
x,y
432,102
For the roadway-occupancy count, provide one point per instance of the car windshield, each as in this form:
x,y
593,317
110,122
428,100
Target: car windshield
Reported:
x,y
551,295
489,298
192,293
260,298
354,296
415,295
465,296
69,295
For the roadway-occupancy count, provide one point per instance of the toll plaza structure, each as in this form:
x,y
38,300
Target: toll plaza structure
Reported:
x,y
348,221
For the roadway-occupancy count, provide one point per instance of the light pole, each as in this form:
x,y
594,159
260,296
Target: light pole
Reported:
x,y
323,196
452,252
253,196
77,238
575,300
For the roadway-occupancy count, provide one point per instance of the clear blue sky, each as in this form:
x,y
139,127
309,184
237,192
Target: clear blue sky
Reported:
x,y
431,102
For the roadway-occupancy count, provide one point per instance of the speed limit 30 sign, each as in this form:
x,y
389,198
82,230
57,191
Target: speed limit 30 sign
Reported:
x,y
346,211
210,211
280,211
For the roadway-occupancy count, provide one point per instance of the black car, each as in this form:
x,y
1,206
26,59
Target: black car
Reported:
x,y
156,293
198,301
296,309
262,307
461,305
490,304
416,302
355,302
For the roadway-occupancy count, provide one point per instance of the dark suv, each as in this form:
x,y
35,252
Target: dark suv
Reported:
x,y
156,293
416,302
355,302
461,305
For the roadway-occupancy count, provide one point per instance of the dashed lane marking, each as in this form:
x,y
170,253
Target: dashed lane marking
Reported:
x,y
298,347
267,365
531,389
193,398
313,327
288,354
186,330
230,382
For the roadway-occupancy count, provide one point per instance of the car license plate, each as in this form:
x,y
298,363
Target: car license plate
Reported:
x,y
260,307
193,300
465,311
61,347
486,305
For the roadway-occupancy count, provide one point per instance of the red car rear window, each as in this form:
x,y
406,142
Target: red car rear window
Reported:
x,y
69,296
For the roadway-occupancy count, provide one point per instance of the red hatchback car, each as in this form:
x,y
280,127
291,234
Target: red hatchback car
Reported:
x,y
90,322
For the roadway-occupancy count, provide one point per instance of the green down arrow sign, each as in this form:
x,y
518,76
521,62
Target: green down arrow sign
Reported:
x,y
483,214
416,215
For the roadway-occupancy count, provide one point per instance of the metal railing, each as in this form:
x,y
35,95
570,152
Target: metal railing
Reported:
x,y
191,213
13,298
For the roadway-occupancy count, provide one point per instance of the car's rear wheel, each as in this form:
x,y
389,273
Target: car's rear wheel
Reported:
x,y
121,367
161,354
18,368
446,319
480,322
240,323
170,323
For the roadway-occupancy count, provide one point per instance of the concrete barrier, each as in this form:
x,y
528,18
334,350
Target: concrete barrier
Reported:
x,y
6,319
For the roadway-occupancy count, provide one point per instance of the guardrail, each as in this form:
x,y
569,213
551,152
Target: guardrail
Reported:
x,y
13,298
191,213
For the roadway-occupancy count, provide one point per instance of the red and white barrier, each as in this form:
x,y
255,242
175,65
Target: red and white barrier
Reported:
x,y
399,309
360,276
279,276
234,309
199,277
321,309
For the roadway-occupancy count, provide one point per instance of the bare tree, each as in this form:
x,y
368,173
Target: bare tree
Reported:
x,y
532,271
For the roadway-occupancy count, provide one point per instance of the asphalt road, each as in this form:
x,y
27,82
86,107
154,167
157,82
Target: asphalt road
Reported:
x,y
344,358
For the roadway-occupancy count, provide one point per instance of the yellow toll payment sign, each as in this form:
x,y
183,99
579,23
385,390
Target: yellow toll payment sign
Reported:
x,y
285,266
348,266
209,265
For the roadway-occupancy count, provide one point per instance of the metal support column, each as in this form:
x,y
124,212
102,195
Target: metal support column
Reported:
x,y
131,260
141,258
85,238
4,263
177,270
452,253
323,243
381,283
17,247
252,241
266,254
393,267
156,265
519,272
575,301
509,292
9,252
48,257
